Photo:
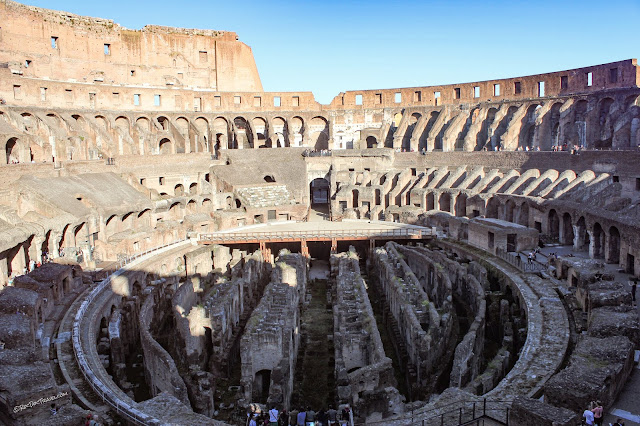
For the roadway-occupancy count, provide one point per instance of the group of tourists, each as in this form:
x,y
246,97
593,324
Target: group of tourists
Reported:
x,y
593,415
302,417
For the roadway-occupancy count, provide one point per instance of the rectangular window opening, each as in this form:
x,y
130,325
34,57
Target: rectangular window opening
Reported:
x,y
17,92
136,99
276,101
378,98
156,100
613,75
637,184
398,97
217,101
358,99
43,93
203,56
496,90
132,73
456,92
107,49
54,42
616,179
296,101
564,82
540,88
476,91
116,96
257,101
197,104
237,100
27,63
589,79
517,88
417,96
68,94
436,96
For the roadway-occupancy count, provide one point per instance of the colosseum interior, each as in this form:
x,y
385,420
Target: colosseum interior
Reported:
x,y
179,246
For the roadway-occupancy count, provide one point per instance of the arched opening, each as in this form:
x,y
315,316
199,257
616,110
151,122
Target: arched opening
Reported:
x,y
613,253
580,122
445,202
319,128
372,142
582,236
207,204
178,190
598,242
554,225
143,124
193,188
606,125
164,123
221,132
319,194
355,195
431,201
510,207
461,205
296,128
243,134
493,206
523,216
191,206
261,386
483,138
13,151
567,230
260,128
165,147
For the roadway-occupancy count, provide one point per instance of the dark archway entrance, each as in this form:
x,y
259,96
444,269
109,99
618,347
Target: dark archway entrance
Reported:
x,y
319,198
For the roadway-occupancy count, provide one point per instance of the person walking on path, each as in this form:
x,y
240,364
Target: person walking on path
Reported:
x,y
597,413
273,416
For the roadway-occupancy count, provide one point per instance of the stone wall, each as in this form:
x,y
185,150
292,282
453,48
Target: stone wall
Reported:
x,y
365,374
269,346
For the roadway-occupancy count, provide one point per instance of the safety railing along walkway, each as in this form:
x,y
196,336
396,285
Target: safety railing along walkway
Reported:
x,y
456,413
122,407
516,260
317,234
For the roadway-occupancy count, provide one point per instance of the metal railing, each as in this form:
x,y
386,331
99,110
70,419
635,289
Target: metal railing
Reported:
x,y
311,234
516,260
108,396
455,413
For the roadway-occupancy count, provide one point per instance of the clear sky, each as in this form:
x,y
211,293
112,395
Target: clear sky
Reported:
x,y
331,46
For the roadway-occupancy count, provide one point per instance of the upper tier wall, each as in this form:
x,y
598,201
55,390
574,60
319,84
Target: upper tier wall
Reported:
x,y
47,44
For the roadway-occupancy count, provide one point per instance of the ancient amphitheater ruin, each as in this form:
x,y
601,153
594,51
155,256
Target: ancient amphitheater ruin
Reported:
x,y
179,246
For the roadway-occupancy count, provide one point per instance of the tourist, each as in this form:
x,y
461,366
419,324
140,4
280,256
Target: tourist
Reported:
x,y
302,417
588,416
293,417
633,290
252,421
273,416
618,422
321,418
345,417
332,416
283,420
598,413
311,417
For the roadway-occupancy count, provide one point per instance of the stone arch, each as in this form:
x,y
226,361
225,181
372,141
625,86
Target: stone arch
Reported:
x,y
144,124
509,211
582,235
567,229
207,204
14,150
372,142
605,136
279,137
461,205
431,201
164,122
523,214
527,132
165,146
202,125
191,206
296,129
144,218
493,208
243,134
598,241
444,202
102,122
221,134
122,122
483,136
260,128
319,128
193,188
553,224
613,249
178,190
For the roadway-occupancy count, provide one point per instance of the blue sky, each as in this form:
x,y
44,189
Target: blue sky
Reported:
x,y
331,46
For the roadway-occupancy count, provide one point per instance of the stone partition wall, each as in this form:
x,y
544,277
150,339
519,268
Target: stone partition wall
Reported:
x,y
468,286
161,372
365,374
269,346
425,324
